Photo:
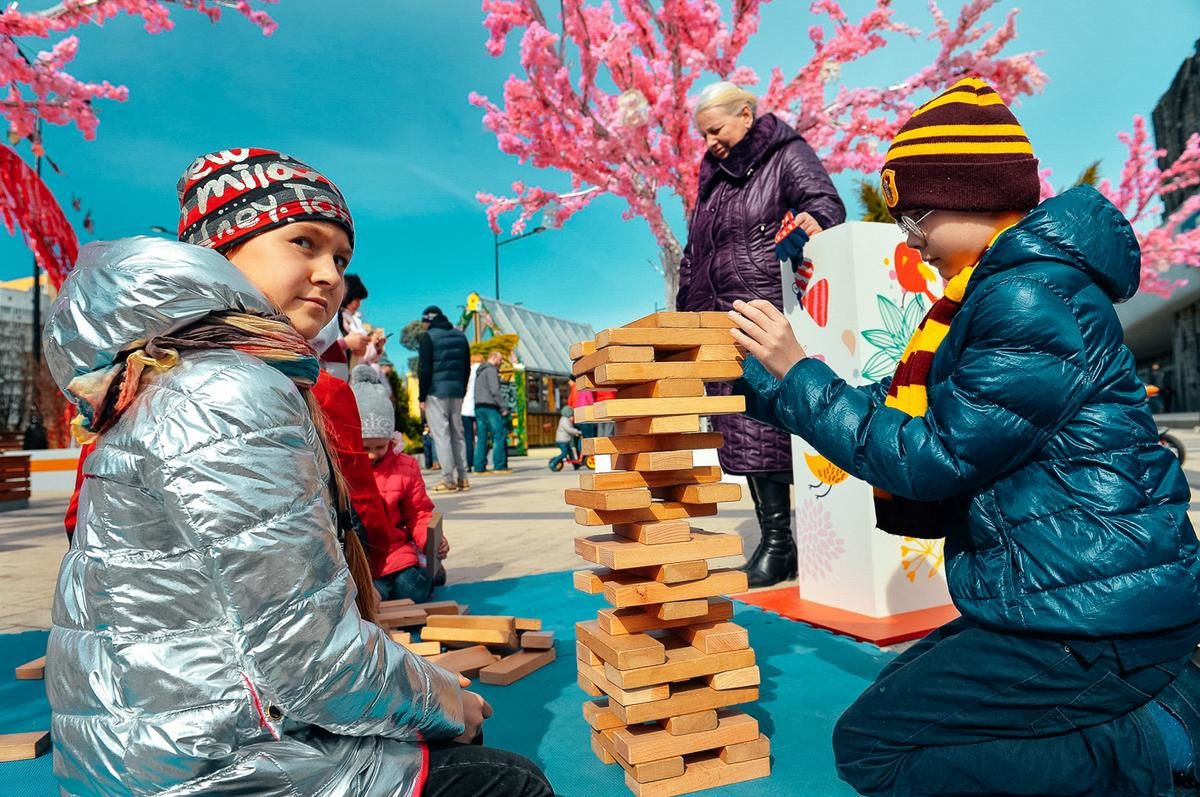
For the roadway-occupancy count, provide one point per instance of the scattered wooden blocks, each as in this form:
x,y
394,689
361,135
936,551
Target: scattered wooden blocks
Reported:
x,y
23,746
32,671
468,661
537,640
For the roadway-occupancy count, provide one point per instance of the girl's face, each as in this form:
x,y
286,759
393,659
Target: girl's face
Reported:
x,y
376,447
723,130
299,268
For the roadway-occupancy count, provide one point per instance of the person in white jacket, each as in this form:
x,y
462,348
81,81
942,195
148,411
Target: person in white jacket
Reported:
x,y
205,636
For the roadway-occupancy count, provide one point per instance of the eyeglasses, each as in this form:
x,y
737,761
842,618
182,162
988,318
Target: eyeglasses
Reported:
x,y
908,226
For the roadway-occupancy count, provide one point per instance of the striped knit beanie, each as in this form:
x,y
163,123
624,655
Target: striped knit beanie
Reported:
x,y
962,150
228,196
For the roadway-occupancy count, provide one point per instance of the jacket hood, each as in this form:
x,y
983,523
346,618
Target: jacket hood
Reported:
x,y
1079,228
767,134
124,293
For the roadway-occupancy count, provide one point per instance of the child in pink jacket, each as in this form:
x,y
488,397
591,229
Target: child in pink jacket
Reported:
x,y
399,569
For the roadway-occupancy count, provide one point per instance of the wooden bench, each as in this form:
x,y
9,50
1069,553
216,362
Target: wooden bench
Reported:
x,y
14,482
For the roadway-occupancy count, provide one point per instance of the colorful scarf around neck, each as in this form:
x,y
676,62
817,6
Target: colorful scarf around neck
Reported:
x,y
909,393
104,394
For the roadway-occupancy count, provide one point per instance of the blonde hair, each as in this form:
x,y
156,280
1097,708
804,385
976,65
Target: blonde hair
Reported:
x,y
729,97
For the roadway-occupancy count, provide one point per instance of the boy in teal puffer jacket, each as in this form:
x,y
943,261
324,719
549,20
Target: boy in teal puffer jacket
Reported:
x,y
1016,426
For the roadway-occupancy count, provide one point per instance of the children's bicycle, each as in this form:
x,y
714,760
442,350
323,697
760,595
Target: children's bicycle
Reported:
x,y
575,458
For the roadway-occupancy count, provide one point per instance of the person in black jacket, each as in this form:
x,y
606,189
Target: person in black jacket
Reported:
x,y
444,362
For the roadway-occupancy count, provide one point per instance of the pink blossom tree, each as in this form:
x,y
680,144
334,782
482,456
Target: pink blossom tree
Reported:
x,y
41,88
605,101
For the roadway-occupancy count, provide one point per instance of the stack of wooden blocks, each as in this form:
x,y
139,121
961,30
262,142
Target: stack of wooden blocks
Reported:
x,y
472,640
665,658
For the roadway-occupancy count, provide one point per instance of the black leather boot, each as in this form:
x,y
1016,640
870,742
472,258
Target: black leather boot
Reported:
x,y
775,558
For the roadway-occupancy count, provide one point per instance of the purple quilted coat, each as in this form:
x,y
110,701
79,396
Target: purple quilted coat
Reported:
x,y
730,254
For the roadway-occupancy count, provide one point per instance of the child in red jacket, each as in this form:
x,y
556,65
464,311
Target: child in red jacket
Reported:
x,y
397,564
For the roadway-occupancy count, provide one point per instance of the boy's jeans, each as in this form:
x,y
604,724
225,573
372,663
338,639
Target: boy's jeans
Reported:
x,y
411,582
490,423
969,711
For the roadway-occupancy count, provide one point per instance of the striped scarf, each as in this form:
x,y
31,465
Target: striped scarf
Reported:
x,y
909,393
103,395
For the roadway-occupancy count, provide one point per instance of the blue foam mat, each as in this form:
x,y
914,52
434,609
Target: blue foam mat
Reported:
x,y
808,678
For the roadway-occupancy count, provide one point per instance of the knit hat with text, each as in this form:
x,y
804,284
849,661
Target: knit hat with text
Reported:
x,y
228,196
374,399
962,150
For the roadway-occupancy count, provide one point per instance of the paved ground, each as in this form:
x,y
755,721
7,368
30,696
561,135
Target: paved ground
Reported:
x,y
510,525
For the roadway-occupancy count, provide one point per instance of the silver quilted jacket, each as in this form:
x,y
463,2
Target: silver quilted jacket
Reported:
x,y
205,637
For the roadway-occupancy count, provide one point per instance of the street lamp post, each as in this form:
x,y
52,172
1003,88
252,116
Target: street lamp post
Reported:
x,y
497,243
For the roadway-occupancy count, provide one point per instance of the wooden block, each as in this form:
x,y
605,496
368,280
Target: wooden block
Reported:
x,y
481,622
617,374
747,751
714,493
23,746
600,716
624,697
656,512
665,339
619,553
709,353
589,581
612,354
668,424
584,653
516,666
478,636
583,382
636,620
32,671
684,662
704,772
528,624
468,661
608,500
715,637
398,603
400,637
735,679
667,319
685,724
424,648
646,772
433,543
684,699
582,349
398,620
620,409
623,479
715,319
680,610
623,652
600,751
629,592
537,640
673,573
654,461
439,607
663,388
653,533
588,687
640,743
636,444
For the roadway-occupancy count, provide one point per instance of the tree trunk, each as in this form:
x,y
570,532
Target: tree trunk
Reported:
x,y
671,255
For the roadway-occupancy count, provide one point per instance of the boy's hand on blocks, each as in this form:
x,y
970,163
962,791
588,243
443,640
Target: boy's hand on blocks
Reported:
x,y
764,332
475,711
794,232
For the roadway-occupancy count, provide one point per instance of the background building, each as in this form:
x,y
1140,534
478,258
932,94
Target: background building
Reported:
x,y
16,340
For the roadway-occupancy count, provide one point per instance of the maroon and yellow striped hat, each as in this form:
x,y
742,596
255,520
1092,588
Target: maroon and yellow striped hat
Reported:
x,y
962,150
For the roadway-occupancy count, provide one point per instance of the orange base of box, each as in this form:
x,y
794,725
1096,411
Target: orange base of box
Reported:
x,y
786,601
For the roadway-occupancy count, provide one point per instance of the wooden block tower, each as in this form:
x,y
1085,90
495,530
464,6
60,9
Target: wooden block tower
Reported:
x,y
666,658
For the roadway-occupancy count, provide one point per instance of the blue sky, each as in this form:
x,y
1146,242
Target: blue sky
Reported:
x,y
375,95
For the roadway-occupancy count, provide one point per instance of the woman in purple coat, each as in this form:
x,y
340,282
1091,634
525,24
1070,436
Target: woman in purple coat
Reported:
x,y
755,172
